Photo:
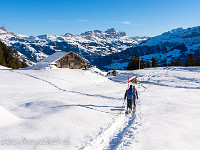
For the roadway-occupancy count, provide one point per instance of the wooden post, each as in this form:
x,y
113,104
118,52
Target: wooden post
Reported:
x,y
139,63
128,82
112,62
150,64
167,66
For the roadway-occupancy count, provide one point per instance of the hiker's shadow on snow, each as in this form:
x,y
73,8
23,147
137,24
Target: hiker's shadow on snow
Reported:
x,y
117,109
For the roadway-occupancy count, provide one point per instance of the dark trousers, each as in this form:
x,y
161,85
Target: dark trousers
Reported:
x,y
134,99
129,103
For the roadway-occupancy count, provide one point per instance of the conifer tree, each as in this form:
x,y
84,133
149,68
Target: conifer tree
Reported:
x,y
164,64
178,62
130,64
24,64
133,63
154,61
2,59
143,64
190,60
172,63
8,58
197,61
148,64
16,61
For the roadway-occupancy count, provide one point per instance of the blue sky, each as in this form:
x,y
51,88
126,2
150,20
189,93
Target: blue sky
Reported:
x,y
135,17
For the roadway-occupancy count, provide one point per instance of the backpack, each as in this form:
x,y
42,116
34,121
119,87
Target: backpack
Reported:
x,y
134,89
130,94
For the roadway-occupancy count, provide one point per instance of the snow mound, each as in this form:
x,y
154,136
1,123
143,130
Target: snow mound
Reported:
x,y
6,118
2,67
97,71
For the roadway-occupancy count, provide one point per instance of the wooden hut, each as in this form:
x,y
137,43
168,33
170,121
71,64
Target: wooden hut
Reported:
x,y
133,80
62,59
71,60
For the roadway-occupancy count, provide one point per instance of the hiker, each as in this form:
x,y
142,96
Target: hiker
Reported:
x,y
136,95
130,95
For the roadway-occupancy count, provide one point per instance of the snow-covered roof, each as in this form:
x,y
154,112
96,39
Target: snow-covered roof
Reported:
x,y
54,57
49,60
133,77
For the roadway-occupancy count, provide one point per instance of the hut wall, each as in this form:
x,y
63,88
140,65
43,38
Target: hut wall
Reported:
x,y
71,61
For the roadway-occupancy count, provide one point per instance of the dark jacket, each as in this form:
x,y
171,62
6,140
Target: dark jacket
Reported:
x,y
136,94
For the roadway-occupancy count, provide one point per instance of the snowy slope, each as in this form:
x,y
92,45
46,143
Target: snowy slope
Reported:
x,y
57,104
189,37
76,109
177,42
168,112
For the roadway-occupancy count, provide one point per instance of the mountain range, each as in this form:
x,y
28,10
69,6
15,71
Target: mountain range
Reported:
x,y
167,46
91,44
108,49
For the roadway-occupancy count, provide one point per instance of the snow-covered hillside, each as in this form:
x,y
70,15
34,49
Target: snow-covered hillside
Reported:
x,y
189,37
169,45
70,109
90,44
177,42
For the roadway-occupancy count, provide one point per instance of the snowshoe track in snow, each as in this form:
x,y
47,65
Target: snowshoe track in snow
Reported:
x,y
115,135
111,137
76,92
118,134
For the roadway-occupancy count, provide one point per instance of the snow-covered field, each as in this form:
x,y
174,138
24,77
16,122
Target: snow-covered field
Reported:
x,y
51,109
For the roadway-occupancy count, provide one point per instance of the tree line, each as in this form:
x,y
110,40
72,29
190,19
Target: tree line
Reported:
x,y
10,58
136,63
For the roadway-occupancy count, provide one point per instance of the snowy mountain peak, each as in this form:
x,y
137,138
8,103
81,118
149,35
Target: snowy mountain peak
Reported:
x,y
176,30
97,31
3,28
110,33
68,34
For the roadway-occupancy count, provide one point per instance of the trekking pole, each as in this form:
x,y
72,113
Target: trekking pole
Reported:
x,y
123,103
122,107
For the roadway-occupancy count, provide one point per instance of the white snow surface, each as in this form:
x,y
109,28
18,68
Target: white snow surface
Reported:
x,y
7,118
52,109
